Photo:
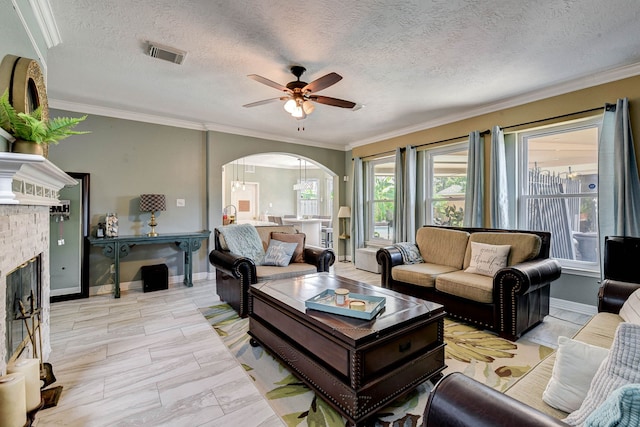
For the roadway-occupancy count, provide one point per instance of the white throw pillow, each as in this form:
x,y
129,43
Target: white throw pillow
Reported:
x,y
576,364
621,367
487,259
630,310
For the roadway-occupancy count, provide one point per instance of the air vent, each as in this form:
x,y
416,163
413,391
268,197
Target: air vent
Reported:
x,y
167,53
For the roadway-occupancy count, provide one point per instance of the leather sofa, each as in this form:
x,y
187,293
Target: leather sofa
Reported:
x,y
511,302
461,401
235,273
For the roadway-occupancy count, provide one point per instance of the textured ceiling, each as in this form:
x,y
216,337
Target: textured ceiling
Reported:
x,y
410,63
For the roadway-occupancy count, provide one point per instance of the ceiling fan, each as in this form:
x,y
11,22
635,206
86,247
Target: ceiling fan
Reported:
x,y
299,94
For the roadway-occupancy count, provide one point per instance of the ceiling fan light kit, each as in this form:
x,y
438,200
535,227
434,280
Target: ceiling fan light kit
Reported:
x,y
301,94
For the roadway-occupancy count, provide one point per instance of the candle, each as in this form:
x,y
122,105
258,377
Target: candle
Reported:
x,y
341,296
31,370
356,304
13,406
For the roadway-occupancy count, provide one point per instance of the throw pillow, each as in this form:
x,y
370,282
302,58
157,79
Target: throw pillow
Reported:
x,y
630,310
299,238
621,367
576,364
279,253
487,259
622,408
410,252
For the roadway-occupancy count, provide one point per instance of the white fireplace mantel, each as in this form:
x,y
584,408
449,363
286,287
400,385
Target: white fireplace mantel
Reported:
x,y
29,179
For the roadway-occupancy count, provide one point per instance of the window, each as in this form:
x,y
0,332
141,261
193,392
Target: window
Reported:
x,y
446,184
308,203
381,190
558,189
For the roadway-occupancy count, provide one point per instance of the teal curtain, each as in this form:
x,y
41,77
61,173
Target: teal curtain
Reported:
x,y
399,196
357,208
498,193
618,182
474,197
405,199
421,189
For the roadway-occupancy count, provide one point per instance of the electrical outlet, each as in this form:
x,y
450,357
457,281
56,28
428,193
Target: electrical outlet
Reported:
x,y
113,268
60,242
180,203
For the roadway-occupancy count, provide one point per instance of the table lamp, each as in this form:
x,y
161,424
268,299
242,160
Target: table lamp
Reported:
x,y
343,213
153,203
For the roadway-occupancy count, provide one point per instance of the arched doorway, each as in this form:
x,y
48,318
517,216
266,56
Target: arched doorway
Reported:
x,y
269,188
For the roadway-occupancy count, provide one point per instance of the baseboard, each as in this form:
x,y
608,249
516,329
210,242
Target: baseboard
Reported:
x,y
137,284
563,304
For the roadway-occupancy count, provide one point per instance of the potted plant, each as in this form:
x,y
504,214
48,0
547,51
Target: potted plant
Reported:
x,y
31,131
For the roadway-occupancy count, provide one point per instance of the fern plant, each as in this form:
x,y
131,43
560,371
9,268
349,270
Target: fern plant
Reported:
x,y
31,127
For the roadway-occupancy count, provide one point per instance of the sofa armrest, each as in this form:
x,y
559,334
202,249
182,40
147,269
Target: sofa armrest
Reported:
x,y
458,401
527,276
388,257
613,294
322,258
232,264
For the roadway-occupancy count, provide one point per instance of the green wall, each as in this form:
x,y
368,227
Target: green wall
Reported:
x,y
128,158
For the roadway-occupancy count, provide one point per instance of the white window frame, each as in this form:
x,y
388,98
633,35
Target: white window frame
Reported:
x,y
369,214
430,197
522,182
308,207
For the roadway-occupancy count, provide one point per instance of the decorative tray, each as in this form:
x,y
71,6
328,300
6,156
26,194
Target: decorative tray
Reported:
x,y
325,301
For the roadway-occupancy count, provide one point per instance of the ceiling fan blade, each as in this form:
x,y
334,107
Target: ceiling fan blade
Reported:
x,y
335,102
322,83
265,101
268,82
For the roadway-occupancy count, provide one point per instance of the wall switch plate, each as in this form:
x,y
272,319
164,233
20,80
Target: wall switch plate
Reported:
x,y
180,203
60,242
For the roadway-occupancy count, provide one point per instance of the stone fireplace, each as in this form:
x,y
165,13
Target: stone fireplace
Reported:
x,y
29,185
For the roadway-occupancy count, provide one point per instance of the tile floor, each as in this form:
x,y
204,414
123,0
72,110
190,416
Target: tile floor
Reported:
x,y
151,359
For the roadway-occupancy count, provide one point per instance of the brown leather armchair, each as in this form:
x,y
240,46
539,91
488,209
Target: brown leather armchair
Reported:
x,y
235,273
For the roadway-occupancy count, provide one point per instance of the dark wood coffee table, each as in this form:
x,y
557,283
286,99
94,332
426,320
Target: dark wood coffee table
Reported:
x,y
357,366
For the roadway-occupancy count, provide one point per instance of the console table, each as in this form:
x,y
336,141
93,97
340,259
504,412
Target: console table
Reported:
x,y
119,247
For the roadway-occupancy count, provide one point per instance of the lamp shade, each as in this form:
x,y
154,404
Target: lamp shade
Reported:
x,y
344,212
153,203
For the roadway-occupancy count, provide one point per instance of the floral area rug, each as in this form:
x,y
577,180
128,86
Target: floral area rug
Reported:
x,y
479,354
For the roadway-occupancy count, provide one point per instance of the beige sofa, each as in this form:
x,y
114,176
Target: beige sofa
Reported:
x,y
522,404
513,300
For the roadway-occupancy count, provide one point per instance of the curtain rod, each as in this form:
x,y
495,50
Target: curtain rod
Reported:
x,y
552,118
425,144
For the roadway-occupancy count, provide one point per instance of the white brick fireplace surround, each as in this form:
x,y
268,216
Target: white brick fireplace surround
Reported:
x,y
29,184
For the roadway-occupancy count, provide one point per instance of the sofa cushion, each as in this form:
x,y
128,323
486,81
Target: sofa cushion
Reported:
x,y
576,364
599,330
267,272
442,246
630,310
466,285
422,274
524,246
487,259
621,367
299,238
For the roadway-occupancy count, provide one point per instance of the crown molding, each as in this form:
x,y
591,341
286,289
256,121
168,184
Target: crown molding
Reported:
x,y
551,91
32,39
46,21
185,124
